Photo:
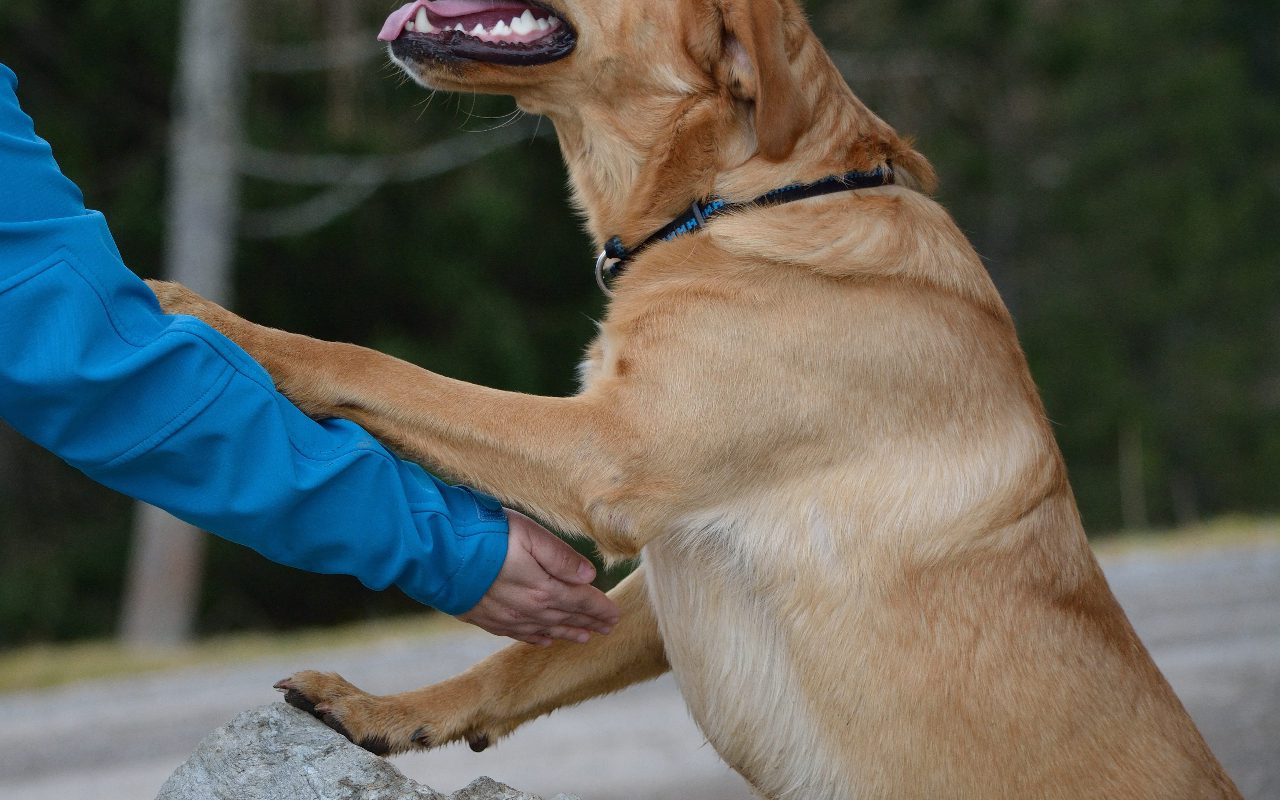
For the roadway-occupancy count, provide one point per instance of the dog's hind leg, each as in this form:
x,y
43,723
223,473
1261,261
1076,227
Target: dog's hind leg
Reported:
x,y
497,695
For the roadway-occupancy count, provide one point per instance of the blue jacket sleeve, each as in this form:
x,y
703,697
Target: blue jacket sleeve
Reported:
x,y
166,409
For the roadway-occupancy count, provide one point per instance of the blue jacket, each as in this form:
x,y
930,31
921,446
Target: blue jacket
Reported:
x,y
168,410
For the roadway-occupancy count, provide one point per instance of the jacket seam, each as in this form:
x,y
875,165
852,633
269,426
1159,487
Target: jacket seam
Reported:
x,y
55,258
448,581
175,423
463,530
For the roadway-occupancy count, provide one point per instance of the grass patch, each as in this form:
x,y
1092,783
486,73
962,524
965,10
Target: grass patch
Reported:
x,y
1221,533
47,665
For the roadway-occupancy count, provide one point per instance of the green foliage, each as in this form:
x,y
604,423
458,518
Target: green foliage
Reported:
x,y
63,545
1118,165
1159,263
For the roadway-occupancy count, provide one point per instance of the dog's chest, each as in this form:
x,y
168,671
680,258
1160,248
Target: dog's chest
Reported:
x,y
736,670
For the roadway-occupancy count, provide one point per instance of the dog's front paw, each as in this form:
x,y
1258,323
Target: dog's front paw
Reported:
x,y
348,710
177,299
381,725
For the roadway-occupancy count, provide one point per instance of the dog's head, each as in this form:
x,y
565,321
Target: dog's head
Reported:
x,y
558,55
656,101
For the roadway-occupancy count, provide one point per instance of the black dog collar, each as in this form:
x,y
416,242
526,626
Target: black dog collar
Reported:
x,y
613,259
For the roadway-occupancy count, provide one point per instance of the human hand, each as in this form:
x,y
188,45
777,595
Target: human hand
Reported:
x,y
543,592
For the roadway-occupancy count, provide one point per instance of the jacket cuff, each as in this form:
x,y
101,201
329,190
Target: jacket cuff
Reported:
x,y
475,574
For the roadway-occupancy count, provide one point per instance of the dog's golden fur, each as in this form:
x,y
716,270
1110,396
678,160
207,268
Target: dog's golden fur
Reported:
x,y
862,558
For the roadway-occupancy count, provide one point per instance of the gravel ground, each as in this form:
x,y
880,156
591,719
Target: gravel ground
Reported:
x,y
1210,618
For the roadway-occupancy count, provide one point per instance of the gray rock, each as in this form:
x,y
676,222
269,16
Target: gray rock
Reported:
x,y
277,752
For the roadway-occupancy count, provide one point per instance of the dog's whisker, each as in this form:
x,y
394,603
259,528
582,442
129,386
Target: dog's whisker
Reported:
x,y
425,104
510,118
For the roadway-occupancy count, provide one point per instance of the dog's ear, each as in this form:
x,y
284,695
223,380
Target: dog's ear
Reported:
x,y
748,54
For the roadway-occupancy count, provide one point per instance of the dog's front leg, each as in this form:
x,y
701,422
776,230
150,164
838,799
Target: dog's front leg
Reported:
x,y
548,455
497,695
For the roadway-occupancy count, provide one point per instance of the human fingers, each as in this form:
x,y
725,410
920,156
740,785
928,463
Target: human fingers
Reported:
x,y
587,623
563,625
579,609
503,622
556,558
540,635
552,618
538,640
577,606
586,601
569,634
536,628
564,632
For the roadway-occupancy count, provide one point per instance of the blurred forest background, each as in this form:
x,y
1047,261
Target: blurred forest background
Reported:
x,y
1117,164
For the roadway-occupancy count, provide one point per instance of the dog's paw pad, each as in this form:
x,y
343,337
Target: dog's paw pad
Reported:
x,y
299,700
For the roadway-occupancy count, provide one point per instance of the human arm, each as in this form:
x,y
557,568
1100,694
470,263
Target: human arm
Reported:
x,y
167,410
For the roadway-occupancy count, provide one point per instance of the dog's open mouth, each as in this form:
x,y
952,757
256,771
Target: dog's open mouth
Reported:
x,y
498,31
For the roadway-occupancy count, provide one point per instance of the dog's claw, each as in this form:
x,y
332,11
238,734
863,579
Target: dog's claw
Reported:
x,y
297,699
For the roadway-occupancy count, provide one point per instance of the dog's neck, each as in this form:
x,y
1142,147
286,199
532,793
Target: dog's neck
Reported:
x,y
630,178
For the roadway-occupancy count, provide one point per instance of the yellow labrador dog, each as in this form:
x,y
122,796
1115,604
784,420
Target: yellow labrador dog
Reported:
x,y
806,409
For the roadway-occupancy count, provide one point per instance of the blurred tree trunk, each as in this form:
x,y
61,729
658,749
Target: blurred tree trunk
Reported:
x,y
163,584
1133,486
341,23
1186,502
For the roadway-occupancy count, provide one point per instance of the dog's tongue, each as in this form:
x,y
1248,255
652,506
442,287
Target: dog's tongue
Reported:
x,y
394,26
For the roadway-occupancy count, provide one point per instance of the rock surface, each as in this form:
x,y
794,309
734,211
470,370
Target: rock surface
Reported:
x,y
276,751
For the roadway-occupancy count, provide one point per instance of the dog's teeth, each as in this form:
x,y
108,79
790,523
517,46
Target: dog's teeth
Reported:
x,y
542,25
501,29
408,26
524,23
421,21
459,27
478,30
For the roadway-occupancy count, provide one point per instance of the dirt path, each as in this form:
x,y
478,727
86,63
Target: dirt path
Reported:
x,y
1211,618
